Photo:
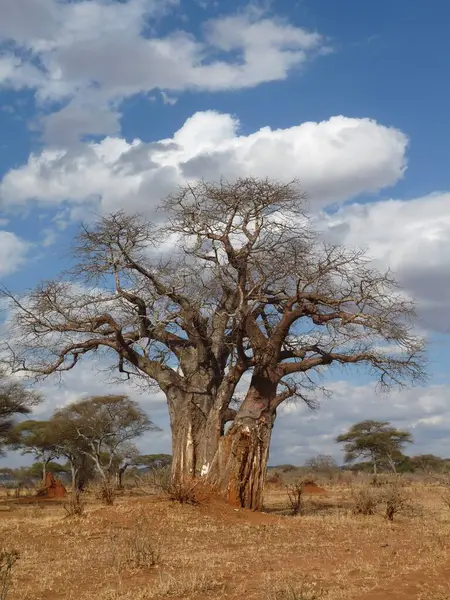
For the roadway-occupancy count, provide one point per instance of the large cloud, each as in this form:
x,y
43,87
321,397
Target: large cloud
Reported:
x,y
413,238
90,54
334,160
13,252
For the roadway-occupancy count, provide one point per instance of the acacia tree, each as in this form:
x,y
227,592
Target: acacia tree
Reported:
x,y
36,438
377,441
15,400
69,445
248,287
104,427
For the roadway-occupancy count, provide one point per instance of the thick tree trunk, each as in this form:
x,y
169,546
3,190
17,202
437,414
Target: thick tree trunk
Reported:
x,y
195,436
73,475
240,470
119,476
243,456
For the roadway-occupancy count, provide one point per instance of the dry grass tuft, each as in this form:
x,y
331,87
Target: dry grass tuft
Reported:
x,y
8,559
437,593
187,585
134,548
397,501
365,500
304,590
105,492
76,505
182,490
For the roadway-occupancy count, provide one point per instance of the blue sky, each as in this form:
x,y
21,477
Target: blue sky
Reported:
x,y
107,104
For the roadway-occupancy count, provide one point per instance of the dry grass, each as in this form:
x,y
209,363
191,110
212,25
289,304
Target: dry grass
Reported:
x,y
366,500
134,548
291,590
149,548
442,592
75,506
106,492
182,490
189,585
8,559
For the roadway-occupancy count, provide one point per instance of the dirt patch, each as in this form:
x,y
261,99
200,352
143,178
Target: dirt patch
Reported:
x,y
217,507
33,500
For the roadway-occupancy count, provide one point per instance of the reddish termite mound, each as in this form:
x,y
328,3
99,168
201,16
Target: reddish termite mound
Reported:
x,y
313,489
52,488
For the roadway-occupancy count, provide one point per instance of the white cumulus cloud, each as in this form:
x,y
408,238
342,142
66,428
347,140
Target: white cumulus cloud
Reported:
x,y
424,411
410,236
334,160
13,252
91,54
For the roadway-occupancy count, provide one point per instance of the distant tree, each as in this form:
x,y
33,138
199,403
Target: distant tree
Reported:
x,y
35,470
70,446
15,400
153,461
429,463
377,441
6,473
36,438
104,427
322,463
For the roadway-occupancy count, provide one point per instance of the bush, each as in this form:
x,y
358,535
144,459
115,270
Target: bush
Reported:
x,y
8,559
182,490
323,464
365,500
135,548
295,497
396,501
274,478
76,505
445,483
105,492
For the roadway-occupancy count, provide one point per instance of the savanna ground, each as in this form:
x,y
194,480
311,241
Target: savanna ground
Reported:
x,y
148,547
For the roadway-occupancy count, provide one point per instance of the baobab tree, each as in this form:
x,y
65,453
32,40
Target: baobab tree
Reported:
x,y
303,305
248,286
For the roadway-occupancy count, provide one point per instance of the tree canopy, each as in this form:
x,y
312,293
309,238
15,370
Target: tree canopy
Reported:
x,y
37,438
378,441
103,429
15,400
